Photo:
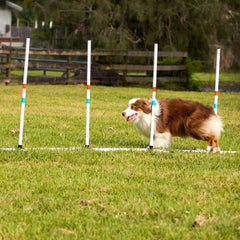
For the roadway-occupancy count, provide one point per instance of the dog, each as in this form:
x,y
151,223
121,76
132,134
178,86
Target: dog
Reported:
x,y
176,117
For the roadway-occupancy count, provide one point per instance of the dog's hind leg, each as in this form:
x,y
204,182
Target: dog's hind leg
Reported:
x,y
212,144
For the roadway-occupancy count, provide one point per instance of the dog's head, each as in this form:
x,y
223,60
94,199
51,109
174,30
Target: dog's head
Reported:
x,y
136,108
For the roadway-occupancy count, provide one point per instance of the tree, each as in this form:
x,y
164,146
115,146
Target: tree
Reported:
x,y
181,25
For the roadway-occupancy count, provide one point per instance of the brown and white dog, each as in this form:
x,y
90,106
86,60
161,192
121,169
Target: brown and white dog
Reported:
x,y
176,117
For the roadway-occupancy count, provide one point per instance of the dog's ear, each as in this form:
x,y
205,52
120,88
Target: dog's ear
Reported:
x,y
146,106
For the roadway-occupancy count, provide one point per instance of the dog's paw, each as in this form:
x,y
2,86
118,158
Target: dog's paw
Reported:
x,y
216,150
213,149
209,149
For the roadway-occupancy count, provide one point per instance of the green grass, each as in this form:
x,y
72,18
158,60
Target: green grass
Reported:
x,y
210,77
39,73
86,194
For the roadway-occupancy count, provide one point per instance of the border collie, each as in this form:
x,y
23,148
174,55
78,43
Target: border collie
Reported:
x,y
176,117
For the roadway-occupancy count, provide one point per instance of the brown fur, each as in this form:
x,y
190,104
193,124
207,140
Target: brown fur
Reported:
x,y
142,105
183,118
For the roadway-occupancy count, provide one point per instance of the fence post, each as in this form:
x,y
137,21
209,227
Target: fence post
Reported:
x,y
68,69
125,71
185,72
8,70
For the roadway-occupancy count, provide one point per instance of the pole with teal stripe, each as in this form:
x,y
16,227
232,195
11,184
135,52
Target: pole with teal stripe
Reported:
x,y
88,93
217,81
24,89
154,94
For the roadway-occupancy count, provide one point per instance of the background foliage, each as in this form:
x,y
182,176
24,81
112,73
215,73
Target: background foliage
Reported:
x,y
120,24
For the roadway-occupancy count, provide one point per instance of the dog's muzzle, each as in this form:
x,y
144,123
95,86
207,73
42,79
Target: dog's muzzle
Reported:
x,y
129,118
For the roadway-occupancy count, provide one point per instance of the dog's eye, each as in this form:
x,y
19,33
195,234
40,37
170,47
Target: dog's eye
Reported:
x,y
131,107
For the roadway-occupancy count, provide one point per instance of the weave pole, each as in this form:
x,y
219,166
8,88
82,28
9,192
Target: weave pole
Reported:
x,y
154,94
24,90
217,81
88,93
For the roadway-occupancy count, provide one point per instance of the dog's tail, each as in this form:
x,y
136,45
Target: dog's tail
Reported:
x,y
213,126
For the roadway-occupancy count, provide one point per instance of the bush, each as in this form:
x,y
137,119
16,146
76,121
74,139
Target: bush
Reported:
x,y
200,66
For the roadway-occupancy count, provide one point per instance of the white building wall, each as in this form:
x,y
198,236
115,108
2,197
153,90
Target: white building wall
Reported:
x,y
5,19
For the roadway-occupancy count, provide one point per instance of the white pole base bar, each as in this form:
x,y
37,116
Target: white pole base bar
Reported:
x,y
115,149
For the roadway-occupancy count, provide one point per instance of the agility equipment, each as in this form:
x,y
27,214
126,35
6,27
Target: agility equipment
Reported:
x,y
88,109
24,90
217,81
113,149
88,93
154,94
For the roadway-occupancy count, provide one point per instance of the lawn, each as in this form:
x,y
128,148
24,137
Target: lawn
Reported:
x,y
210,77
40,73
86,194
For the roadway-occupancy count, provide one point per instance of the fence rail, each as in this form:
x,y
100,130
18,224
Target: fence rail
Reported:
x,y
109,67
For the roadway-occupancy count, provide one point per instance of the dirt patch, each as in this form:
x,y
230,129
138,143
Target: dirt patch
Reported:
x,y
223,87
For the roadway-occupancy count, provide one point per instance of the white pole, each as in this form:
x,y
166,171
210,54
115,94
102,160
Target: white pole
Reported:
x,y
217,81
24,92
154,94
88,93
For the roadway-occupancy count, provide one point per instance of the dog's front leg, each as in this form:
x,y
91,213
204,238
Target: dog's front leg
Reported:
x,y
162,140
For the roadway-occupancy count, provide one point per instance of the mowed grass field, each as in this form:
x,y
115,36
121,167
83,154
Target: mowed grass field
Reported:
x,y
210,77
86,194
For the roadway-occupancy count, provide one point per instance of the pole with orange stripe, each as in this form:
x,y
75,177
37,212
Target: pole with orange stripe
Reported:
x,y
24,89
88,93
154,95
217,81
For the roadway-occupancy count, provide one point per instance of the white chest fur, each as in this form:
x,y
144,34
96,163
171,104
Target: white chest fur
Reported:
x,y
143,124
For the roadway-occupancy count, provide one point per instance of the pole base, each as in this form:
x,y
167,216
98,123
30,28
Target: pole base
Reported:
x,y
86,146
19,146
150,147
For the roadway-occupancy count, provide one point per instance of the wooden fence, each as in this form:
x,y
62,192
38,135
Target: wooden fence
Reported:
x,y
109,67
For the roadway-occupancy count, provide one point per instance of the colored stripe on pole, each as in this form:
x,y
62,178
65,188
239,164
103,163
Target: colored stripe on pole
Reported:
x,y
154,89
216,93
88,101
88,87
153,102
24,86
23,100
215,106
